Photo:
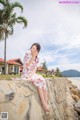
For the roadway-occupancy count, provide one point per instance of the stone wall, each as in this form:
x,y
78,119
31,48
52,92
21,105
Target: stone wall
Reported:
x,y
21,100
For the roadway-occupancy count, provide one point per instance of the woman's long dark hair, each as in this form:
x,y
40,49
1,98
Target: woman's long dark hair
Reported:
x,y
37,46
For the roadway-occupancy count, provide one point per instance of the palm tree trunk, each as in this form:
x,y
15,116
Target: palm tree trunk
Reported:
x,y
5,54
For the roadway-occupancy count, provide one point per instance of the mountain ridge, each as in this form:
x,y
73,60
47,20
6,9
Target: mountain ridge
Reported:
x,y
71,73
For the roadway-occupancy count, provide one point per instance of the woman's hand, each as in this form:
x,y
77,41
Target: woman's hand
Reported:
x,y
34,54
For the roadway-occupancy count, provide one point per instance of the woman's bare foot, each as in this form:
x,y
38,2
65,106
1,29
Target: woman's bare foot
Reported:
x,y
46,108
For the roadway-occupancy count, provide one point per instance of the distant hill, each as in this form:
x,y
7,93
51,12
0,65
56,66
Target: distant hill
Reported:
x,y
71,73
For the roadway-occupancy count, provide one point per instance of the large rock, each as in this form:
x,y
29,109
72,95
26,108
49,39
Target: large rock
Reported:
x,y
77,107
21,100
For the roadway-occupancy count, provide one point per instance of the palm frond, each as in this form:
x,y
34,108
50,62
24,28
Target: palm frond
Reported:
x,y
1,33
13,15
2,2
9,32
23,20
10,29
16,4
12,19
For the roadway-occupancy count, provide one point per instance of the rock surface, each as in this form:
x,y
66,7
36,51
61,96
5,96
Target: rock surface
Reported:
x,y
77,107
21,100
75,93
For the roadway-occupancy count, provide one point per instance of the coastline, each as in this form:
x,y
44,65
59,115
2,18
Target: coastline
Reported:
x,y
75,82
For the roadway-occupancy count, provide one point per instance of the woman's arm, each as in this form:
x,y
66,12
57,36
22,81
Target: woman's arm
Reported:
x,y
30,61
34,54
35,68
27,59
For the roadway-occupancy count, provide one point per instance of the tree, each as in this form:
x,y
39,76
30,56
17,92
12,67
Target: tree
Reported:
x,y
58,73
44,66
8,18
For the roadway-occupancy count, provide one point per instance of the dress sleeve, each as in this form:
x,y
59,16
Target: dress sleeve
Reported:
x,y
35,66
36,63
26,58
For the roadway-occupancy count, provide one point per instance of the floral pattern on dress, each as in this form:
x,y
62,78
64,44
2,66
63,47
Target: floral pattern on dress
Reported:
x,y
36,79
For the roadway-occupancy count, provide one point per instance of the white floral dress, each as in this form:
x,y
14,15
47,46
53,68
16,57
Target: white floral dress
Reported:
x,y
29,72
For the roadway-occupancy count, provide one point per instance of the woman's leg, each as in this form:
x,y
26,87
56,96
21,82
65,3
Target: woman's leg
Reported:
x,y
45,96
36,80
42,97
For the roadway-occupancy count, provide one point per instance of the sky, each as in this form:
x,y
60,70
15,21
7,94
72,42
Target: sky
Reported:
x,y
55,26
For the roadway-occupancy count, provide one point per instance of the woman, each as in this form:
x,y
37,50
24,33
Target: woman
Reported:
x,y
29,73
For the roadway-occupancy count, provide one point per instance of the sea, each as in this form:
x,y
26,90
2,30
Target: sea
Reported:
x,y
75,81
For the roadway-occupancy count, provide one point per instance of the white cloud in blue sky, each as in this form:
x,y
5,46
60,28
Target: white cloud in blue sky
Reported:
x,y
56,27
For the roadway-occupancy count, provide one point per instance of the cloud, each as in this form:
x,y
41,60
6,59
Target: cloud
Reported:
x,y
66,67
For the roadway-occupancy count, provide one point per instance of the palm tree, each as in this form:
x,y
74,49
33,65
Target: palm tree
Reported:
x,y
8,18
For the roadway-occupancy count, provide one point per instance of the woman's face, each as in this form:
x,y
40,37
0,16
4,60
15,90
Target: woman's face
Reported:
x,y
33,48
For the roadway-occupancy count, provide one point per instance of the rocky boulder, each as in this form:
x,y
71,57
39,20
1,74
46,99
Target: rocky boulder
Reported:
x,y
21,100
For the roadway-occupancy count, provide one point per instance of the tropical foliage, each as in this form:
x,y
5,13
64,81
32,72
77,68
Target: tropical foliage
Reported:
x,y
8,18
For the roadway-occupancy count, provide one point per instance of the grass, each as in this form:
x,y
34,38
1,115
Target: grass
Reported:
x,y
47,76
8,77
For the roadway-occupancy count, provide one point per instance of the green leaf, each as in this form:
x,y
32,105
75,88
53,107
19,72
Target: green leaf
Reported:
x,y
22,20
16,4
